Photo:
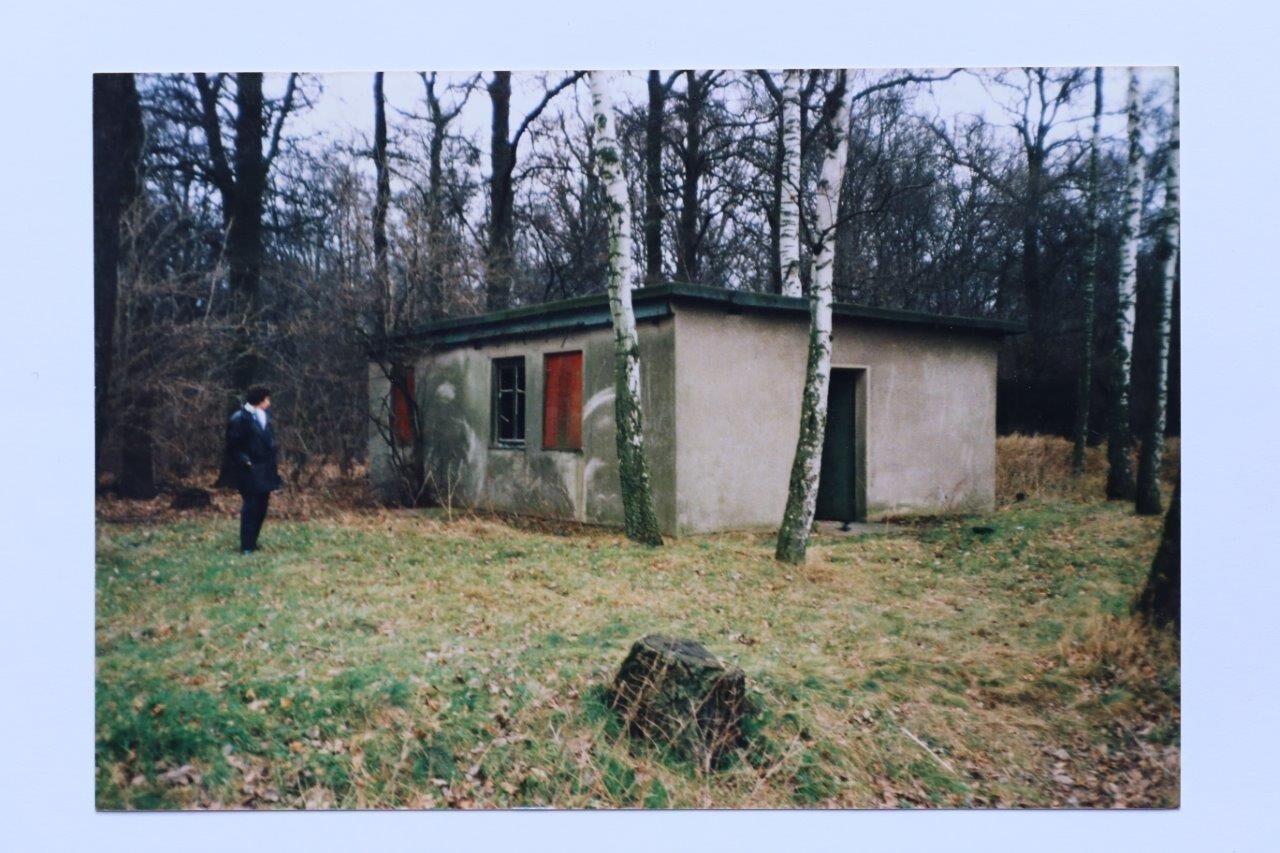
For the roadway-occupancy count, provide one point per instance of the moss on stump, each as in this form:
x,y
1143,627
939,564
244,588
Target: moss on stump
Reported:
x,y
675,693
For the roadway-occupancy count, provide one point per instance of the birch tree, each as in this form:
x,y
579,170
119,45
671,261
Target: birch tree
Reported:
x,y
1148,490
639,517
1084,384
802,494
1120,467
789,207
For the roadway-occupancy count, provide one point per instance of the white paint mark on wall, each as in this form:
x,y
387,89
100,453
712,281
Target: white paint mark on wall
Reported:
x,y
477,459
446,391
602,397
589,470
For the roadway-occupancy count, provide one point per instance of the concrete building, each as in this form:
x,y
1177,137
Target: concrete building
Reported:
x,y
517,409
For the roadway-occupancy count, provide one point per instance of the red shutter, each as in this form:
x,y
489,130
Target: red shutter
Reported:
x,y
562,402
402,396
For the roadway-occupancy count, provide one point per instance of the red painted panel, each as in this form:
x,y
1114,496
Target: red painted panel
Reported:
x,y
402,395
562,402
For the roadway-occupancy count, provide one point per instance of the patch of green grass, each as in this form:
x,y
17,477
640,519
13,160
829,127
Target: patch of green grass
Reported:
x,y
812,782
657,796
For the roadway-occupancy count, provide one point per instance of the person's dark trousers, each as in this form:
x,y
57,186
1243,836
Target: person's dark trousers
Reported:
x,y
252,513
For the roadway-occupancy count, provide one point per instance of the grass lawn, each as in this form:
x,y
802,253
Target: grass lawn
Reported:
x,y
397,659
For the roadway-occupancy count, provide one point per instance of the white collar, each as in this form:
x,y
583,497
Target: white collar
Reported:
x,y
258,414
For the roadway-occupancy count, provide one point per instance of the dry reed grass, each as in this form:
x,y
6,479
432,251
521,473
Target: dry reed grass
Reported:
x,y
1039,466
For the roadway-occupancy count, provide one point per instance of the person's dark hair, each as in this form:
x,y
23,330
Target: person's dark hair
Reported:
x,y
257,394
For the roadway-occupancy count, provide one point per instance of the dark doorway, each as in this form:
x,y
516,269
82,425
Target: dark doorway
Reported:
x,y
838,483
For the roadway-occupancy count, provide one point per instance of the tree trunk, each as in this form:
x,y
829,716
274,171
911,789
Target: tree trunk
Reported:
x,y
1161,600
1148,491
137,469
1032,288
137,459
653,179
117,154
1084,384
382,200
501,202
244,234
435,204
1120,484
774,215
640,518
789,207
802,495
690,203
435,228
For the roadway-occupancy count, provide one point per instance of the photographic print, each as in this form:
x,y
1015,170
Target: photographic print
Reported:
x,y
654,439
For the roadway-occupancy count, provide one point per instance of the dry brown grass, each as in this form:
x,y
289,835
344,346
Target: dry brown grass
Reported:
x,y
1039,466
329,494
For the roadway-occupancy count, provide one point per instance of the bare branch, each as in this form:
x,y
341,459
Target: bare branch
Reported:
x,y
221,174
537,111
285,106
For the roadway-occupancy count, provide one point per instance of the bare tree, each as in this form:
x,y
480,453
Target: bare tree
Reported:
x,y
640,518
242,183
502,161
382,200
1041,97
659,91
1085,381
802,494
440,118
563,216
117,157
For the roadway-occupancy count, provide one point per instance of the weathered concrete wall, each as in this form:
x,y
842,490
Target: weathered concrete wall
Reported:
x,y
929,416
722,406
454,392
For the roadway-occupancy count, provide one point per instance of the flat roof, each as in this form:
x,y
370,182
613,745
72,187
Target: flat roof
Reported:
x,y
655,301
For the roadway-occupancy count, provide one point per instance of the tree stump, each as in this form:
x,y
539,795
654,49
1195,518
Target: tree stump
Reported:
x,y
192,498
675,693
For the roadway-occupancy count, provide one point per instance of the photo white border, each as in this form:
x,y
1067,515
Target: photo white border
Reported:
x,y
1232,582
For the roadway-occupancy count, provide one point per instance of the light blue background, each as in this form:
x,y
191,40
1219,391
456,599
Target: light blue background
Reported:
x,y
1230,312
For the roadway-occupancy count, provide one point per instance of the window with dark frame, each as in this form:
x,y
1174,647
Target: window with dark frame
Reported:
x,y
508,401
402,402
562,401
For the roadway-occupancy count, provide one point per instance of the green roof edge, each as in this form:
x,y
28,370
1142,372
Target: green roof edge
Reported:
x,y
658,301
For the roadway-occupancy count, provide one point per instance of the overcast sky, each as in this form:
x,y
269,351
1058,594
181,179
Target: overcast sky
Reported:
x,y
344,109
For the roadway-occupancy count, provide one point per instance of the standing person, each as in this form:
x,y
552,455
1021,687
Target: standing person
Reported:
x,y
249,463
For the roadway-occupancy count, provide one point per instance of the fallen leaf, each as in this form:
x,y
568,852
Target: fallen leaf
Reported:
x,y
184,775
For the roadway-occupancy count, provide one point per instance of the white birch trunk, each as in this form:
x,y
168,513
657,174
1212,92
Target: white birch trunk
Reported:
x,y
789,210
802,496
1148,496
1132,225
640,519
1120,474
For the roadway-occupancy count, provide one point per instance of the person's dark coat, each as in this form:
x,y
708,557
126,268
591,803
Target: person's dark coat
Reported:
x,y
249,462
